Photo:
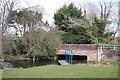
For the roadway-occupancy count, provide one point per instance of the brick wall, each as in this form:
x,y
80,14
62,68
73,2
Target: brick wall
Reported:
x,y
90,50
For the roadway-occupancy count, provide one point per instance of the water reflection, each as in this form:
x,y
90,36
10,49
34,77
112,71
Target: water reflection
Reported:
x,y
7,65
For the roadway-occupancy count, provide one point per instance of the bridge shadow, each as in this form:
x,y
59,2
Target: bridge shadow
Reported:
x,y
76,58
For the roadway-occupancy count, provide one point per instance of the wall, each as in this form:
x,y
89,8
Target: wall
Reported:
x,y
93,52
90,50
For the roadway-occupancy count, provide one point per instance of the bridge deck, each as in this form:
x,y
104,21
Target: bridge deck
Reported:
x,y
63,62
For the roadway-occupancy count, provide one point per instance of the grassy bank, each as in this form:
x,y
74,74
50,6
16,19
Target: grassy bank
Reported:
x,y
8,57
54,71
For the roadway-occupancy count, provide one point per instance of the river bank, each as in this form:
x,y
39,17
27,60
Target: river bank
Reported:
x,y
9,57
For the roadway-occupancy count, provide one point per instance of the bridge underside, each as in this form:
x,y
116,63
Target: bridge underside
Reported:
x,y
91,55
75,57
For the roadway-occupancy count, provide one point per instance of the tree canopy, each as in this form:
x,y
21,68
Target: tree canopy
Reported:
x,y
72,21
33,40
64,13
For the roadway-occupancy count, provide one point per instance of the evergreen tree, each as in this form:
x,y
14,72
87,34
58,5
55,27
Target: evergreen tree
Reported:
x,y
75,26
63,15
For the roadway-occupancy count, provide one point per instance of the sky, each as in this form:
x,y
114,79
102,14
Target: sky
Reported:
x,y
51,6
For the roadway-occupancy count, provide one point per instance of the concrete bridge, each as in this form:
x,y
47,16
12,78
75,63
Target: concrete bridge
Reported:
x,y
92,52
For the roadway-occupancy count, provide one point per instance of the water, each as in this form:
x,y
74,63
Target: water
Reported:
x,y
29,64
7,65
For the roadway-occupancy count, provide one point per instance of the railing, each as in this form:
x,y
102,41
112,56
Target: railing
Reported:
x,y
110,47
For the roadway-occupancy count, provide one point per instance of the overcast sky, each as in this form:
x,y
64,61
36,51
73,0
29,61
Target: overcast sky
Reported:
x,y
50,6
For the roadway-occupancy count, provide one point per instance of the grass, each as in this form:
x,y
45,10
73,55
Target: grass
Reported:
x,y
72,71
0,74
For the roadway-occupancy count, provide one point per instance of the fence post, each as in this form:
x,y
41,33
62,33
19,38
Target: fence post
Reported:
x,y
100,52
114,47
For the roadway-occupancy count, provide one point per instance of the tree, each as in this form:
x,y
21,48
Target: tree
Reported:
x,y
27,18
63,15
78,35
73,22
102,22
6,9
34,41
40,43
100,16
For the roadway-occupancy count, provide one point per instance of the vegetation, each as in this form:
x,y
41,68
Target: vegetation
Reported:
x,y
8,57
73,71
64,13
74,24
31,40
76,36
39,44
71,20
77,27
98,30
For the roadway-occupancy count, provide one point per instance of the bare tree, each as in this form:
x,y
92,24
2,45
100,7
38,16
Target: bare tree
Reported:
x,y
90,10
109,14
7,7
104,10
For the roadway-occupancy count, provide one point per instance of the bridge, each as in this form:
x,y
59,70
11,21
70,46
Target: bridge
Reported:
x,y
93,52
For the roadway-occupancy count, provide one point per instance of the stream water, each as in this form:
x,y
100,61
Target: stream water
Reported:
x,y
28,64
